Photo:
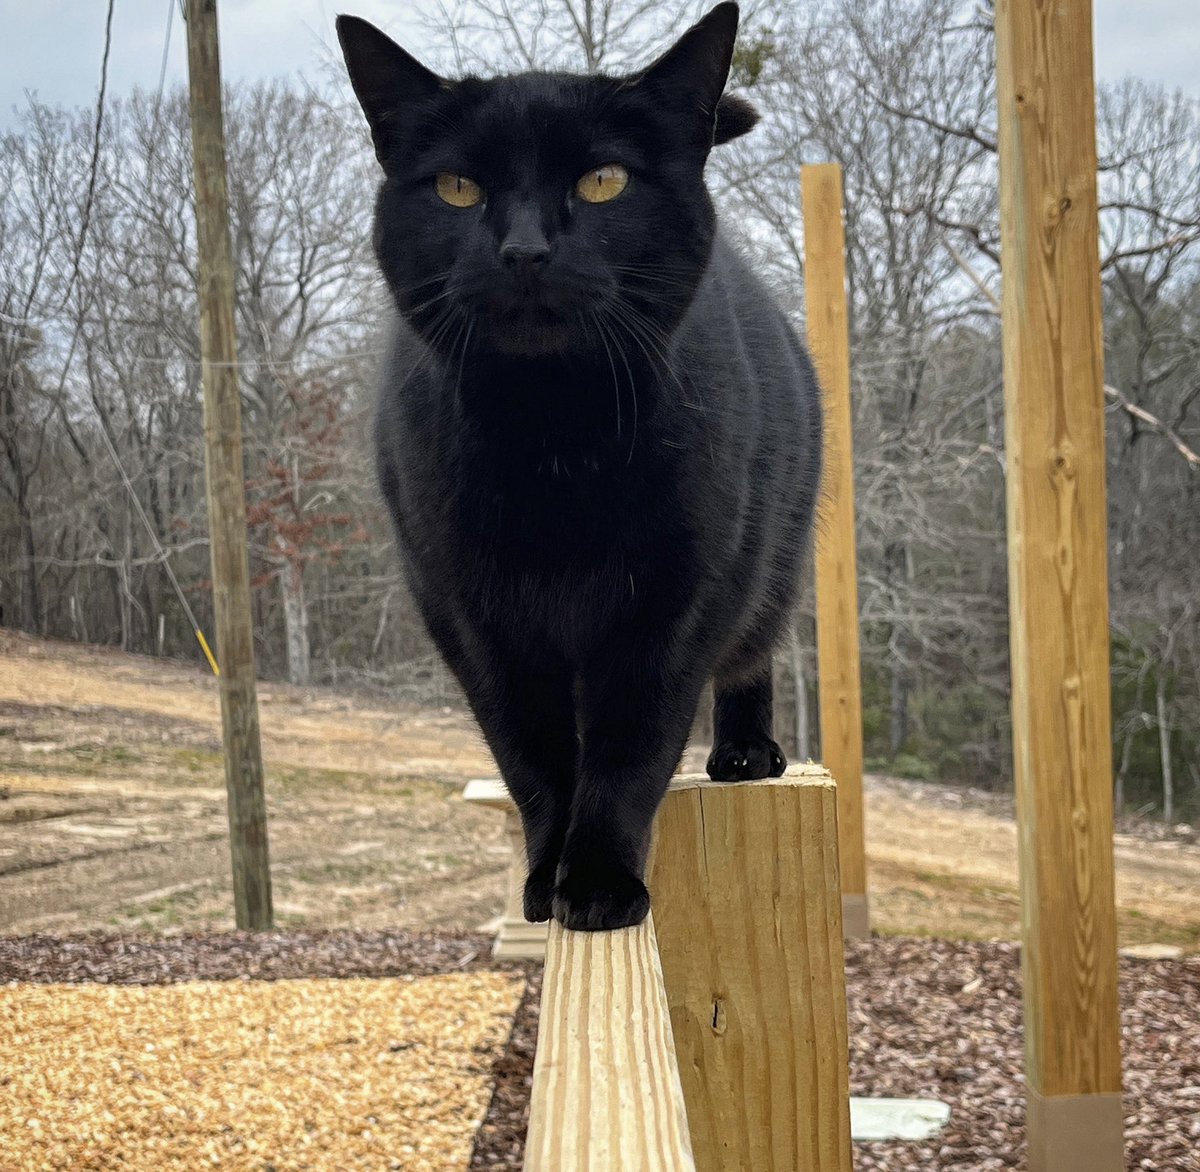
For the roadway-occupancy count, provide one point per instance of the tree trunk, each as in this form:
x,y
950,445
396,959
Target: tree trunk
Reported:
x,y
800,684
898,717
1164,746
295,621
1122,772
31,603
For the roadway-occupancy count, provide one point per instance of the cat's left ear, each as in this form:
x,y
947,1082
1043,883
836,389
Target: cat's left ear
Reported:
x,y
386,80
735,117
693,71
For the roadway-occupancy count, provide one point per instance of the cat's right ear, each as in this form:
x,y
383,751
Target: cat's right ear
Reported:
x,y
386,79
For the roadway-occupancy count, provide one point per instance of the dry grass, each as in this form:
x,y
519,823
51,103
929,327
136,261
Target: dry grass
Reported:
x,y
326,1076
942,870
115,818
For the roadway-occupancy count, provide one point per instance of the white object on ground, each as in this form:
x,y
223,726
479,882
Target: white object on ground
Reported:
x,y
1153,951
897,1118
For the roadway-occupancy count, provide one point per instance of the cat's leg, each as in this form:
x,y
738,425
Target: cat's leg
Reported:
x,y
635,713
528,721
526,712
743,748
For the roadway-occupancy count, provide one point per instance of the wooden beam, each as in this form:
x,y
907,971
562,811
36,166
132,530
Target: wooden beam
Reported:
x,y
606,1093
744,884
1058,582
836,564
225,479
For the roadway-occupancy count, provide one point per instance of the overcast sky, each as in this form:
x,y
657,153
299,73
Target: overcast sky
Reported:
x,y
53,47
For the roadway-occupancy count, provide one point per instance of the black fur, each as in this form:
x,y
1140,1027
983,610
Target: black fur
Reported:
x,y
601,454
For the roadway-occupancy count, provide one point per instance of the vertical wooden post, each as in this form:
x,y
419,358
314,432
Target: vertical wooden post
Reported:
x,y
517,939
744,885
225,478
1058,582
838,670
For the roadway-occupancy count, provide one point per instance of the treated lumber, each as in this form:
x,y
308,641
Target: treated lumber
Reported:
x,y
225,479
606,1094
1058,582
745,889
839,681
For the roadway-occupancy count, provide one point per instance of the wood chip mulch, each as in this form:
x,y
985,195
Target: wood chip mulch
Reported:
x,y
126,959
928,1018
356,1075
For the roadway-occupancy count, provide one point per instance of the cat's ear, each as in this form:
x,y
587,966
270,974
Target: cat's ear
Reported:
x,y
693,71
735,117
385,78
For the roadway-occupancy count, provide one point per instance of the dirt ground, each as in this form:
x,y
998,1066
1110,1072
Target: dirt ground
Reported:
x,y
112,816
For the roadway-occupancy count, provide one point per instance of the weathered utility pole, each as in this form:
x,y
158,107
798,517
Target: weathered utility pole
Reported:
x,y
225,479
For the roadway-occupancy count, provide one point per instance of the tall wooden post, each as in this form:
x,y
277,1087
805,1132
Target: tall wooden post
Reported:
x,y
225,477
1058,582
838,670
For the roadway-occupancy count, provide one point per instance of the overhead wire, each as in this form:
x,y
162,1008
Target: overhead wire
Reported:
x,y
85,222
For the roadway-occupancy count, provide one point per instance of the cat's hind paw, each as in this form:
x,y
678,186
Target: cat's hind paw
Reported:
x,y
746,760
599,897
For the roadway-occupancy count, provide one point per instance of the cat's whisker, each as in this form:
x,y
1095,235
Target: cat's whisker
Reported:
x,y
603,335
463,357
632,391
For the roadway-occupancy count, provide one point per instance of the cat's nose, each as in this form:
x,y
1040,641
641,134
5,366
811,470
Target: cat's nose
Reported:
x,y
525,244
525,253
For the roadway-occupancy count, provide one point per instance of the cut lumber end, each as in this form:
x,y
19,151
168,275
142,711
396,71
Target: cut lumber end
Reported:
x,y
606,1089
805,773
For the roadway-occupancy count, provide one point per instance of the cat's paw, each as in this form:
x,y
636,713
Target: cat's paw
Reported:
x,y
746,760
598,896
539,894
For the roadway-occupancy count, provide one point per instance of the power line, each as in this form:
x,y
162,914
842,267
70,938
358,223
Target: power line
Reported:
x,y
94,166
158,547
162,72
85,221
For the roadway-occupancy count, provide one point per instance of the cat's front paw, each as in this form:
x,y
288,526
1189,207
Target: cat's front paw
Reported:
x,y
539,893
599,895
746,760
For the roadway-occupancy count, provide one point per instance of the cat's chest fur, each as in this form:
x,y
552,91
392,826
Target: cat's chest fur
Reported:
x,y
560,529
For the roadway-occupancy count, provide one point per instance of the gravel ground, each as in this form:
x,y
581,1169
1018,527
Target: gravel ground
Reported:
x,y
929,1018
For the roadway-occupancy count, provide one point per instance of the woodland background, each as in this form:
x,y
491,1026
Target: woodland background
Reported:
x,y
99,368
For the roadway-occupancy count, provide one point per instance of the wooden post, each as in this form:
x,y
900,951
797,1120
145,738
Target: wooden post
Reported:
x,y
517,939
606,1094
744,886
225,478
1058,582
836,564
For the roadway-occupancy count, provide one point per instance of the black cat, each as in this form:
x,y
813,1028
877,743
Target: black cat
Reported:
x,y
598,436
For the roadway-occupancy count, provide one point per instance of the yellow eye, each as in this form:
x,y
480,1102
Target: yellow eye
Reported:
x,y
603,183
458,190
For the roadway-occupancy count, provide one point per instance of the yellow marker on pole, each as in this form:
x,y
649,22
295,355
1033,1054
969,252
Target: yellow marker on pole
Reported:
x,y
207,652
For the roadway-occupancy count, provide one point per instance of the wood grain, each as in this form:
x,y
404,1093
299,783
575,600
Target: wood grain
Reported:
x,y
606,1095
225,479
836,564
1057,547
744,884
